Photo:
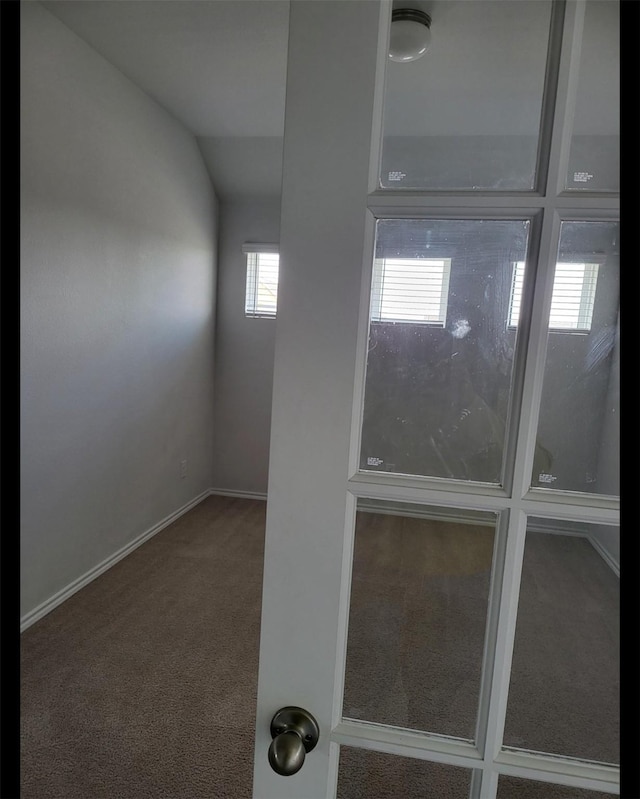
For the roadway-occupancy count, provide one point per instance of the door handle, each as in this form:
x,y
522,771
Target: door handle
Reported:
x,y
295,732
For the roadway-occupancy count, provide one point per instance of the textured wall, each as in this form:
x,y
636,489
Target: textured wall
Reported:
x,y
244,353
118,266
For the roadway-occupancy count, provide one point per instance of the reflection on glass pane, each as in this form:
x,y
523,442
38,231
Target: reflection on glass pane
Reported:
x,y
582,365
594,157
417,618
441,344
363,774
511,787
466,115
563,696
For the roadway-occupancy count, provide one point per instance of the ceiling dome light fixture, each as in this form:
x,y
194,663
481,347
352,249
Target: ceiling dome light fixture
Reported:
x,y
410,34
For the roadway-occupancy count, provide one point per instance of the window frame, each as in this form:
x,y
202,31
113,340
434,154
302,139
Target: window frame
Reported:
x,y
586,304
252,253
378,291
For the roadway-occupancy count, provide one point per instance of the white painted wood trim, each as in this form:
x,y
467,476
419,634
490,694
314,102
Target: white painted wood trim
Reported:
x,y
458,752
578,507
459,515
506,614
491,638
559,770
423,204
323,227
566,95
250,247
227,492
407,743
61,596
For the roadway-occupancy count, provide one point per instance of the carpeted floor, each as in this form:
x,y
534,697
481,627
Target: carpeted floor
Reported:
x,y
143,684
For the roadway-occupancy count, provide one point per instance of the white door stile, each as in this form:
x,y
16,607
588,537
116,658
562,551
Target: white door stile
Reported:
x,y
362,339
323,215
503,647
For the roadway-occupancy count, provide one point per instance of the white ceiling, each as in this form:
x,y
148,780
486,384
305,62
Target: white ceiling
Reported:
x,y
219,66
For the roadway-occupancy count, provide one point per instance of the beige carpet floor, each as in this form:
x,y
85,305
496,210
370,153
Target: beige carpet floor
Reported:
x,y
143,684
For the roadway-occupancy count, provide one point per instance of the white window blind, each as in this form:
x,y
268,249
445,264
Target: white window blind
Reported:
x,y
261,296
410,290
572,301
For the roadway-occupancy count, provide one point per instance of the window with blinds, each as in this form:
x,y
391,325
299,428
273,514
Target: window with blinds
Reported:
x,y
261,296
410,290
573,298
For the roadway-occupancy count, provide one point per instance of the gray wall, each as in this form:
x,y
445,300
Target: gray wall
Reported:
x,y
118,263
244,352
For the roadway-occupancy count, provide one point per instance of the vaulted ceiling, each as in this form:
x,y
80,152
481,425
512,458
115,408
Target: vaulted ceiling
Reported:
x,y
218,66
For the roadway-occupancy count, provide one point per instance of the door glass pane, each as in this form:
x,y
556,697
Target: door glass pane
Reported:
x,y
466,114
594,157
363,774
511,787
582,370
441,346
563,696
417,618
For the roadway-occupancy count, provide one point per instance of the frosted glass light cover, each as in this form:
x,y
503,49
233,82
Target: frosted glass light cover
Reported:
x,y
457,119
409,40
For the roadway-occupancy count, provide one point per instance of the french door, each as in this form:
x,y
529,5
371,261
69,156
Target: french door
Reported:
x,y
442,540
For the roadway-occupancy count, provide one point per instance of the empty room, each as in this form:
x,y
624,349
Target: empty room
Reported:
x,y
320,400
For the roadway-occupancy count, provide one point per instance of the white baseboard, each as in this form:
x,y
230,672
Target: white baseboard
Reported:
x,y
225,492
605,555
58,598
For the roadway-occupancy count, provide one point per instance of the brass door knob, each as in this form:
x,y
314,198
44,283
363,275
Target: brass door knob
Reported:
x,y
295,732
